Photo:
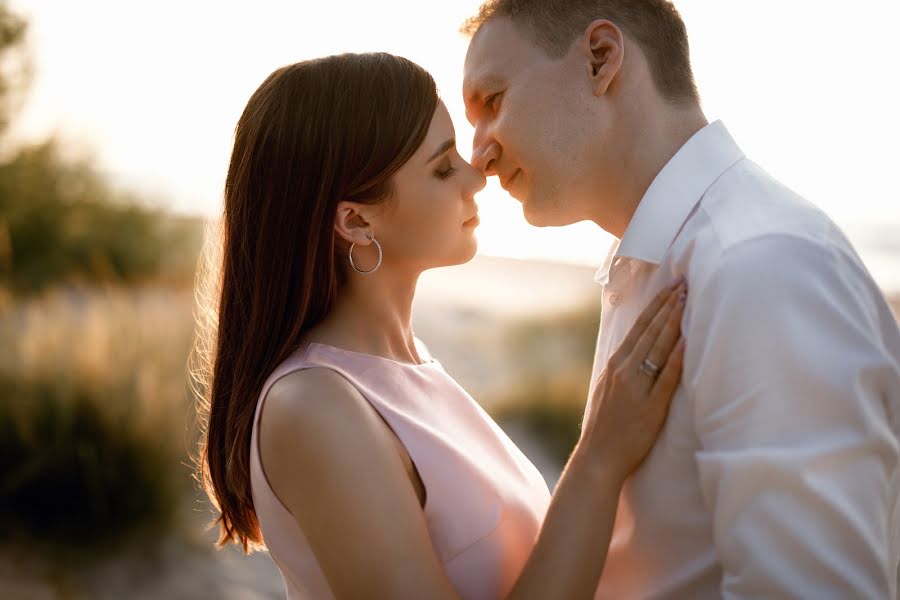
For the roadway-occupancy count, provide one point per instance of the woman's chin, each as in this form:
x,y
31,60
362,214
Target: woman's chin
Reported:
x,y
471,249
462,256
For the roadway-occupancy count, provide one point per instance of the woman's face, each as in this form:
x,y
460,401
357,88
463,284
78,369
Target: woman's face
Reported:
x,y
430,220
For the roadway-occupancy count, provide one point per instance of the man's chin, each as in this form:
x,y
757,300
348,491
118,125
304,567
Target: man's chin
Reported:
x,y
544,216
535,217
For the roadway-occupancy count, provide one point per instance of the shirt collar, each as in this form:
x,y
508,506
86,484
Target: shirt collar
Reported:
x,y
672,196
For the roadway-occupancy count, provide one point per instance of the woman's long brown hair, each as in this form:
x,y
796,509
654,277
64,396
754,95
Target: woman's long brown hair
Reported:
x,y
313,134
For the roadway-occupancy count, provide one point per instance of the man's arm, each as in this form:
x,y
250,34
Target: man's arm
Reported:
x,y
795,398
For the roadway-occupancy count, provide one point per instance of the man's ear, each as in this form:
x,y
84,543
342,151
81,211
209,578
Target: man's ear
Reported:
x,y
603,46
351,223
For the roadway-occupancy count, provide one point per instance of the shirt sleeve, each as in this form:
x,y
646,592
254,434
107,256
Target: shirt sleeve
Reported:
x,y
795,401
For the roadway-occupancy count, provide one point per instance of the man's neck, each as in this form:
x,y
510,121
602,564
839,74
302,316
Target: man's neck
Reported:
x,y
654,138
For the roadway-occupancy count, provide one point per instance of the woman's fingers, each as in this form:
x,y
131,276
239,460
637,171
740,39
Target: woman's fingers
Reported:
x,y
629,409
669,378
659,340
646,317
652,333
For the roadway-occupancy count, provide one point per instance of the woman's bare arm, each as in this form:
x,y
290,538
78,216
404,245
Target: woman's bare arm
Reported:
x,y
332,462
630,410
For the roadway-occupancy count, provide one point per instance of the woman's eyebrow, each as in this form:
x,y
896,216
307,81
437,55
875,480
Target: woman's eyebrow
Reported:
x,y
442,148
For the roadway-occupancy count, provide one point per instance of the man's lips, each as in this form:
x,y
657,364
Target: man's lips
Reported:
x,y
508,181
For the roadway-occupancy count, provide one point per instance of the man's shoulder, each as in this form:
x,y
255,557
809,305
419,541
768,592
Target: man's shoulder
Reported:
x,y
745,205
749,222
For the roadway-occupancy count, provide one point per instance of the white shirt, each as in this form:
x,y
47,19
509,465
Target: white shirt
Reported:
x,y
776,475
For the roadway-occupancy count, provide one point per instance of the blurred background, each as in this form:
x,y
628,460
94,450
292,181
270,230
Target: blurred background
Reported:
x,y
116,123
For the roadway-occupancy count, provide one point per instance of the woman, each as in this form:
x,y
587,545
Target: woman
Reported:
x,y
332,437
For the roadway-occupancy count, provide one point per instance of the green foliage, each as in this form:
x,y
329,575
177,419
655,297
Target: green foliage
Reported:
x,y
551,409
558,356
93,400
60,222
76,468
14,69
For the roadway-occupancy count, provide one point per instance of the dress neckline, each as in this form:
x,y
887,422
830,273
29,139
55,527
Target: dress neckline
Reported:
x,y
431,361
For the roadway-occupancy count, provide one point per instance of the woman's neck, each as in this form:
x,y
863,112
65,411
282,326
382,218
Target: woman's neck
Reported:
x,y
373,315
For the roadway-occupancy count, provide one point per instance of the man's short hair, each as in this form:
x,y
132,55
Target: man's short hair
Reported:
x,y
655,25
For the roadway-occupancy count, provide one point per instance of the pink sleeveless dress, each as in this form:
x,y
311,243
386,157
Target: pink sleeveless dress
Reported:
x,y
485,501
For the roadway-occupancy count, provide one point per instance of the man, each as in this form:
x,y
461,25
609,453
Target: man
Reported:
x,y
777,473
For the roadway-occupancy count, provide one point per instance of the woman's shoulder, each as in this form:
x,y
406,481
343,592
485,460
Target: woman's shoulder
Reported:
x,y
311,413
312,397
317,425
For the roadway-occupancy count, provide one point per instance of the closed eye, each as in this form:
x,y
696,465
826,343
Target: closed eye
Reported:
x,y
446,174
490,101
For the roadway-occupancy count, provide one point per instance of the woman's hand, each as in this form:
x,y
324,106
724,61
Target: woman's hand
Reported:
x,y
631,398
624,418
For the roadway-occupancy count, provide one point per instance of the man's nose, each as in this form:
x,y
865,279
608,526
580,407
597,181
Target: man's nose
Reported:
x,y
485,152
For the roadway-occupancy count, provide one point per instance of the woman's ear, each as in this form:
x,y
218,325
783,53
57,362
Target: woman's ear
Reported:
x,y
603,45
352,225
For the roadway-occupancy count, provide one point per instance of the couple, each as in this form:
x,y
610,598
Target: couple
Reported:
x,y
757,460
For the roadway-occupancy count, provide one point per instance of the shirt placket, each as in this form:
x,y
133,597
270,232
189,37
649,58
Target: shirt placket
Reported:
x,y
615,294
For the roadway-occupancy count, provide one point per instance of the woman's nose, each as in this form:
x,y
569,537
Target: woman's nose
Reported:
x,y
478,177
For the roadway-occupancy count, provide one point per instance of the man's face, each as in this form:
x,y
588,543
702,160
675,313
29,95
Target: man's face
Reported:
x,y
530,114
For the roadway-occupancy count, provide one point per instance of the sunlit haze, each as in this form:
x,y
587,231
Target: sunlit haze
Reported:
x,y
153,91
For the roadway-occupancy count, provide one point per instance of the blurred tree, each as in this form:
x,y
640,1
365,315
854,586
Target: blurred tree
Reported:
x,y
91,397
15,69
60,221
65,224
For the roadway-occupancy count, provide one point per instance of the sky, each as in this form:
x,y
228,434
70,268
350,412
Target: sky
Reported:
x,y
152,91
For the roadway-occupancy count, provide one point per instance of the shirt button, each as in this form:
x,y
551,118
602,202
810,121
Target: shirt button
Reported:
x,y
615,299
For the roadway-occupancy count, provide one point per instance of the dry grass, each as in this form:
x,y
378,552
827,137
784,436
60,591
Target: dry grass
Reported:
x,y
93,414
101,335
